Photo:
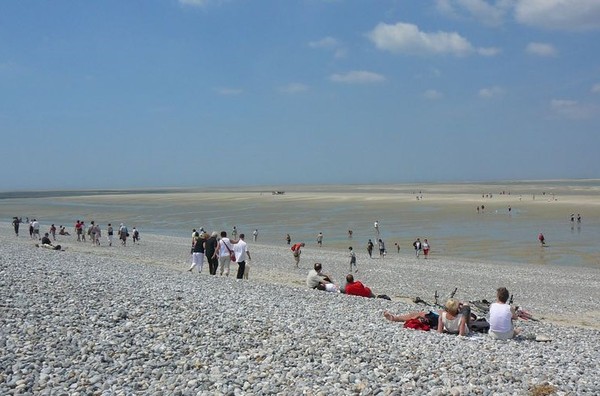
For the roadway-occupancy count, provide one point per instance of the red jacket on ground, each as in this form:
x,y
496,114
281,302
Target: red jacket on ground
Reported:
x,y
356,288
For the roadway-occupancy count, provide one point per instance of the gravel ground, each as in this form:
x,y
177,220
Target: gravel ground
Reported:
x,y
131,320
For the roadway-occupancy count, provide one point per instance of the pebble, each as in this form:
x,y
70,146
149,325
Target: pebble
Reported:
x,y
79,323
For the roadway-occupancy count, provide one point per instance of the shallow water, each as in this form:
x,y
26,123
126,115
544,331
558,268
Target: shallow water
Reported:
x,y
446,215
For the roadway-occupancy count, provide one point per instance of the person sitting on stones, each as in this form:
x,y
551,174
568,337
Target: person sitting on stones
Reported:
x,y
455,318
316,279
47,243
501,317
356,288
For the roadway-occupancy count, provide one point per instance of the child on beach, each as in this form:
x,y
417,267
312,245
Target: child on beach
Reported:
x,y
353,260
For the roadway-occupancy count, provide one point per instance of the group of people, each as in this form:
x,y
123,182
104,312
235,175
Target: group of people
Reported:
x,y
93,232
219,253
456,317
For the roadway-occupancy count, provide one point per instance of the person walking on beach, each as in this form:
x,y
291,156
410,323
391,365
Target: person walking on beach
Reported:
x,y
542,239
320,239
36,229
397,246
426,248
210,251
241,253
255,235
297,251
16,222
225,250
288,239
382,251
234,232
376,227
82,226
92,232
198,252
370,248
97,234
53,231
123,234
352,260
110,232
78,230
417,245
136,236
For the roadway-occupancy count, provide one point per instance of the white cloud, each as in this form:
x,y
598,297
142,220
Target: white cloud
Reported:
x,y
573,110
490,51
541,49
483,11
490,92
229,91
432,94
330,44
294,88
559,14
195,3
357,77
596,88
407,38
326,42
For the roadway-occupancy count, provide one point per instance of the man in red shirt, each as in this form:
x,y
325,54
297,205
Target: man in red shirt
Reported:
x,y
356,288
296,251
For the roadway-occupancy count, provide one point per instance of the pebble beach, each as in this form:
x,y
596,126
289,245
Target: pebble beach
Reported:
x,y
131,320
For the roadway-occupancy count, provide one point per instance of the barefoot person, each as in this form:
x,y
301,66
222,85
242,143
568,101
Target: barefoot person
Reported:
x,y
297,251
353,260
455,318
316,279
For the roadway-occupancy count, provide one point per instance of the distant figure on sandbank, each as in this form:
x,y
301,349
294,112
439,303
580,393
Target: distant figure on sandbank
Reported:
x,y
542,239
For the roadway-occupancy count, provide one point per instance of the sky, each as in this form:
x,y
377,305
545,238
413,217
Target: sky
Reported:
x,y
197,93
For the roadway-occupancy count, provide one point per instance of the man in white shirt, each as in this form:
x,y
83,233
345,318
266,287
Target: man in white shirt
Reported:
x,y
225,248
36,228
241,254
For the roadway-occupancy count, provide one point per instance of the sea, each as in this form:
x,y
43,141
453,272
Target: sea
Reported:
x,y
469,221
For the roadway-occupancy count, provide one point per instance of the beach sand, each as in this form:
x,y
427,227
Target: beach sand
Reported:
x,y
446,215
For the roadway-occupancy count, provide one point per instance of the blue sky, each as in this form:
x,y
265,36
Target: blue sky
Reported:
x,y
118,94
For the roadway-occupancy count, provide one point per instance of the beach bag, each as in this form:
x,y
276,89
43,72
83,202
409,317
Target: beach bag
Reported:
x,y
416,324
480,325
231,253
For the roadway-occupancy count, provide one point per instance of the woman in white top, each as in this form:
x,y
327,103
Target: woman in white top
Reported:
x,y
501,317
455,318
